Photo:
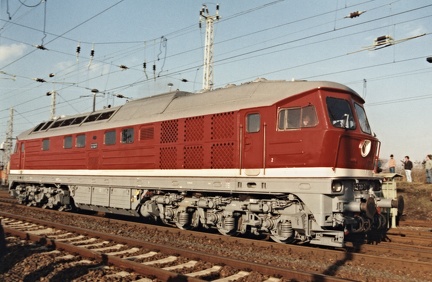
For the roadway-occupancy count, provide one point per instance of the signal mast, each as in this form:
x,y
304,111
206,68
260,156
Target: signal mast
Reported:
x,y
209,41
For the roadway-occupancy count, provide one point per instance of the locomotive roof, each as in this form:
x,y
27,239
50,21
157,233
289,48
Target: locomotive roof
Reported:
x,y
179,104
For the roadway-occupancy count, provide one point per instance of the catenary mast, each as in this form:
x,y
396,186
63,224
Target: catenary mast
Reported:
x,y
7,145
209,41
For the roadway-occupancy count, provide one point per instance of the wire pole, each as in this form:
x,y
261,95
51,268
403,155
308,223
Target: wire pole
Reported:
x,y
209,42
8,146
53,95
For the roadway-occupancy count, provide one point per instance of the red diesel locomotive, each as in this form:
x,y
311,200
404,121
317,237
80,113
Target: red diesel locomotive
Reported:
x,y
293,159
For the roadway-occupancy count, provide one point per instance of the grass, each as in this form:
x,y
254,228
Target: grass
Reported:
x,y
417,195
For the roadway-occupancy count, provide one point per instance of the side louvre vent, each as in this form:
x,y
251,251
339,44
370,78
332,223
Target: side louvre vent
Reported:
x,y
193,157
222,155
194,129
169,131
223,126
147,133
168,158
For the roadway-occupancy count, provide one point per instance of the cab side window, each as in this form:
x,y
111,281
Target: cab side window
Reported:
x,y
297,117
253,122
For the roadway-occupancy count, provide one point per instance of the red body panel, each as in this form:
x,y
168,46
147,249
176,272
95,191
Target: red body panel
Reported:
x,y
213,142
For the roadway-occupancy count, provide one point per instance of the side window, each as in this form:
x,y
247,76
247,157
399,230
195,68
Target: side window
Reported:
x,y
80,141
289,118
67,142
110,137
295,118
340,113
127,135
253,122
45,144
22,147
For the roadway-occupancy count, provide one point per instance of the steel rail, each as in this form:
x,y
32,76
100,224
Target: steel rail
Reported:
x,y
260,268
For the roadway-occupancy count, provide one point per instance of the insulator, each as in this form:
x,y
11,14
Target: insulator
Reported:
x,y
355,14
145,65
154,67
382,38
78,49
91,56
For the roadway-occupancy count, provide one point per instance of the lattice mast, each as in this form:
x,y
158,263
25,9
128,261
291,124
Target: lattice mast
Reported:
x,y
9,140
209,41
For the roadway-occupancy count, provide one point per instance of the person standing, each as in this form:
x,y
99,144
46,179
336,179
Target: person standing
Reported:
x,y
392,164
428,166
408,165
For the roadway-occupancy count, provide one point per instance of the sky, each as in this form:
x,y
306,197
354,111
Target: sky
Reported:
x,y
291,39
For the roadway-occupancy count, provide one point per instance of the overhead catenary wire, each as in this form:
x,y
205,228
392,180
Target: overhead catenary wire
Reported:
x,y
194,67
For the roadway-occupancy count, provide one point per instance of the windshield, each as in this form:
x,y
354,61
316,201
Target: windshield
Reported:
x,y
364,123
340,113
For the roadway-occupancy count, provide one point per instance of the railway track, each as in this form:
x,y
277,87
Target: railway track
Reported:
x,y
145,259
391,260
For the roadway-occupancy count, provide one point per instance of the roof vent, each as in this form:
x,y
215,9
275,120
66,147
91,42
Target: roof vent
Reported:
x,y
260,79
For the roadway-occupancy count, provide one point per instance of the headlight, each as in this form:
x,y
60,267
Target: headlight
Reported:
x,y
337,186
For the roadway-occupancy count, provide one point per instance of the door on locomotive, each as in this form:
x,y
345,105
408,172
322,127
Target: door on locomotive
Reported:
x,y
253,143
20,149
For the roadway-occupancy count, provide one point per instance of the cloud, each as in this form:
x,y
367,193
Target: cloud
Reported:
x,y
10,52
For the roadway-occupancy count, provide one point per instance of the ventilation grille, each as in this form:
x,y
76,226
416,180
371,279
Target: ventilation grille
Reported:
x,y
222,155
223,125
193,157
147,133
169,131
194,129
168,158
